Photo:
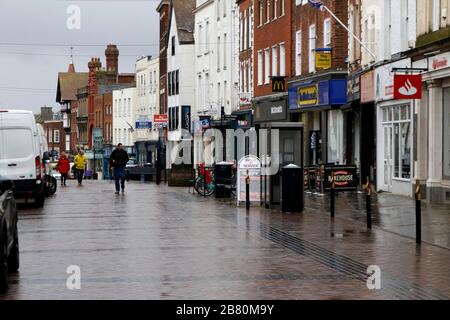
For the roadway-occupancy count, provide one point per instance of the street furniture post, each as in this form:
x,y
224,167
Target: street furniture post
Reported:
x,y
418,213
247,192
368,203
333,195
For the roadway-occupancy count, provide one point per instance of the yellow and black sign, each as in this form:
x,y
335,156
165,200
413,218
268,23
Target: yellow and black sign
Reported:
x,y
278,84
323,60
308,96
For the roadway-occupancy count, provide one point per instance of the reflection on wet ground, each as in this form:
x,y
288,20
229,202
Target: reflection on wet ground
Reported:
x,y
165,243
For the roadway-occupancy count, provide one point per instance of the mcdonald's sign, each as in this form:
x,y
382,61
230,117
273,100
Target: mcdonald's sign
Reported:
x,y
278,84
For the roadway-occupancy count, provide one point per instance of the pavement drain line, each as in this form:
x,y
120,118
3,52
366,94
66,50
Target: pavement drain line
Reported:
x,y
390,284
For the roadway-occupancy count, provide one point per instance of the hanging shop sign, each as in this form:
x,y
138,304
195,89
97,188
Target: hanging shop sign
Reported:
x,y
345,177
323,59
278,84
407,86
161,119
205,122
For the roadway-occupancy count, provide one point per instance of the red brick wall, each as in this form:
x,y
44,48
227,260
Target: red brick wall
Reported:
x,y
107,117
306,15
246,55
164,22
51,126
73,125
267,35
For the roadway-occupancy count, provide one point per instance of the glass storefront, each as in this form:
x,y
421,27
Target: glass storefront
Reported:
x,y
446,133
335,137
397,135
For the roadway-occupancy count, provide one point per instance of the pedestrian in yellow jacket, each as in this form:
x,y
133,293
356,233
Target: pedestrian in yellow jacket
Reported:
x,y
80,165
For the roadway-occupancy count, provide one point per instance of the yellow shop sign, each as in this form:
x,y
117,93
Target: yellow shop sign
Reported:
x,y
323,60
308,96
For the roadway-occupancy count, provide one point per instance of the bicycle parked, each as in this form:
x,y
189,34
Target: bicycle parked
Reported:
x,y
205,184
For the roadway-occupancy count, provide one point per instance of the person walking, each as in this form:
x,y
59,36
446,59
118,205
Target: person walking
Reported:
x,y
118,161
63,167
80,165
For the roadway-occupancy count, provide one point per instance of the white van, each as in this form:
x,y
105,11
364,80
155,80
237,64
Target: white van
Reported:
x,y
22,155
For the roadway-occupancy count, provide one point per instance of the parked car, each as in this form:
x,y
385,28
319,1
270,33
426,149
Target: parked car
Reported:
x,y
23,155
134,171
9,236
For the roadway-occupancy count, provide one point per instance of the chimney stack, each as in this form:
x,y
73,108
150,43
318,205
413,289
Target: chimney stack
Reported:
x,y
112,58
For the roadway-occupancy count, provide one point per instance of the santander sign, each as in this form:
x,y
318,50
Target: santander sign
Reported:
x,y
407,87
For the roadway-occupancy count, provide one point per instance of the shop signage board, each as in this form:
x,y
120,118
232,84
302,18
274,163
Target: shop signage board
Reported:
x,y
345,177
278,84
270,111
318,93
323,59
161,119
308,95
368,87
407,86
249,166
143,125
97,138
439,62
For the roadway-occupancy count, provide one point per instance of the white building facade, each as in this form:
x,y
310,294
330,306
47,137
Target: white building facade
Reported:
x,y
181,83
433,110
395,118
123,117
146,134
216,67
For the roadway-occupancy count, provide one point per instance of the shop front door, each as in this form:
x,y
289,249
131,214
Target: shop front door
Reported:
x,y
387,158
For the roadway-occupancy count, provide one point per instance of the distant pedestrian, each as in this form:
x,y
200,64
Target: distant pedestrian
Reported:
x,y
118,161
80,166
63,167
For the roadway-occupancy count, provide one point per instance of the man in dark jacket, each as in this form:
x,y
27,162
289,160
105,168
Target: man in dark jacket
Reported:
x,y
118,160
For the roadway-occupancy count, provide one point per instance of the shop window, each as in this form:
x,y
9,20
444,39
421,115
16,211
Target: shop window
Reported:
x,y
397,140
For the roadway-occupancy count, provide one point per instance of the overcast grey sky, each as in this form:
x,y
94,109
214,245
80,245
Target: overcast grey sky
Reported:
x,y
35,43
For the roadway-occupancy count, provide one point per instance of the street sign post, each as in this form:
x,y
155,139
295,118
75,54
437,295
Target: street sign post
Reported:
x,y
249,173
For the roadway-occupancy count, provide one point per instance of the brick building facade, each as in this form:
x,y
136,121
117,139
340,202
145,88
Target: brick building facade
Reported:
x,y
246,45
102,81
165,11
272,43
318,87
55,134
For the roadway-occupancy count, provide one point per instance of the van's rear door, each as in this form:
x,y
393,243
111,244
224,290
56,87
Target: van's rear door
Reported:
x,y
17,158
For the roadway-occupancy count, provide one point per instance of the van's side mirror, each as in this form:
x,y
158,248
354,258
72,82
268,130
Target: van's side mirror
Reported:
x,y
46,156
6,185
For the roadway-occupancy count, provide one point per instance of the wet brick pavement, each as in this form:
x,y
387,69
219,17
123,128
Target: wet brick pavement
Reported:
x,y
391,213
165,243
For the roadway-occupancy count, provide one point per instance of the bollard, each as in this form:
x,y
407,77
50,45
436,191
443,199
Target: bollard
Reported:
x,y
368,204
247,192
333,195
418,213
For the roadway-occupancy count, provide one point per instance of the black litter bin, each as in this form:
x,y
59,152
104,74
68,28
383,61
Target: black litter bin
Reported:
x,y
292,184
222,179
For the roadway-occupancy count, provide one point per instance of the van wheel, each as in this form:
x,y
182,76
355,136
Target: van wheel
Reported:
x,y
13,259
3,259
39,200
53,186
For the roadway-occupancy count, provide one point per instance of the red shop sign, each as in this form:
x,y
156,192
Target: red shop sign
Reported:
x,y
407,86
160,118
